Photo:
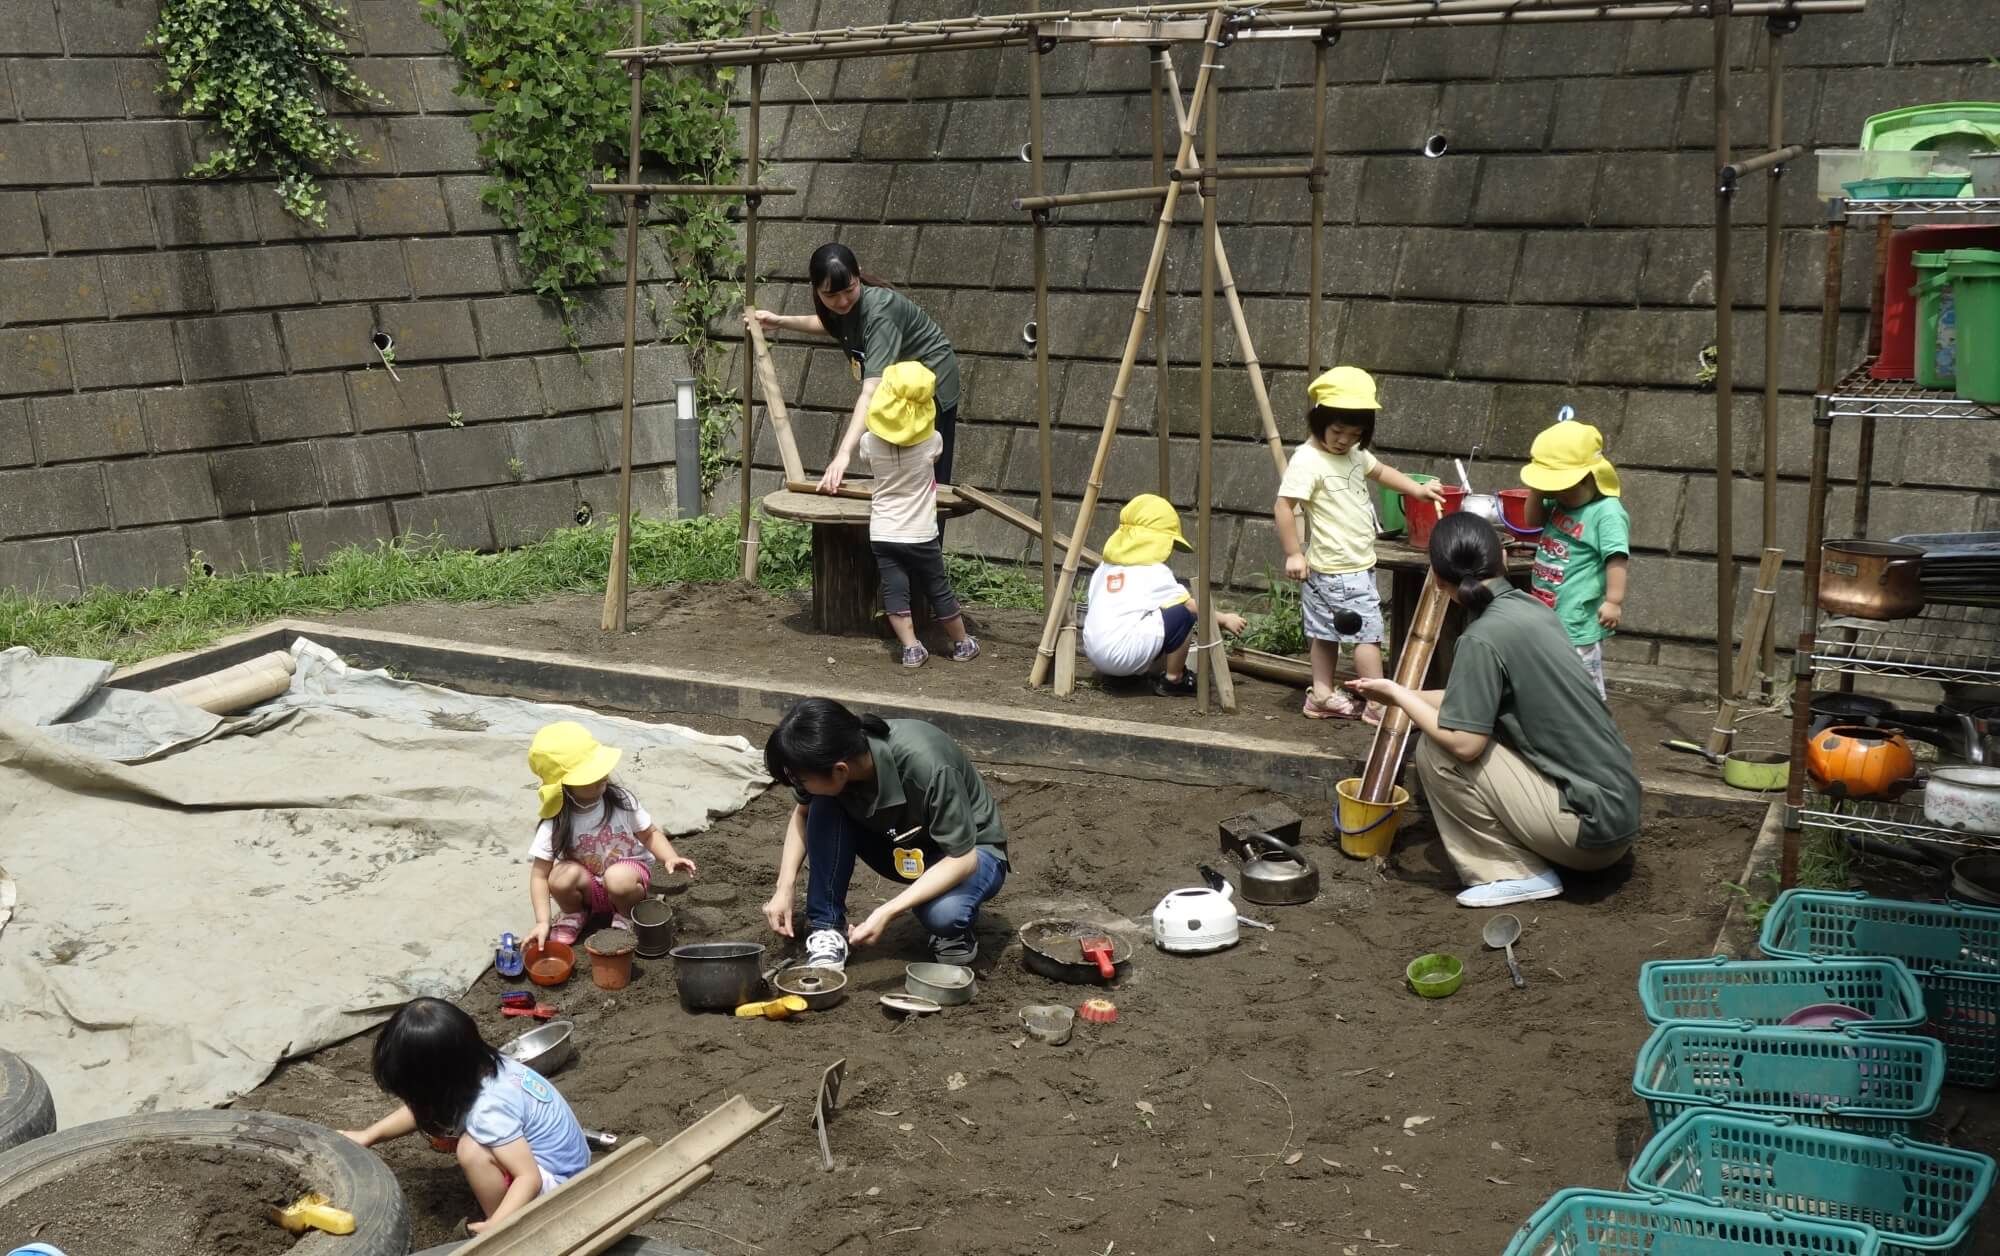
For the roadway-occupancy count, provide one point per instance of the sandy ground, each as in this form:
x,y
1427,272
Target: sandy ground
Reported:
x,y
164,1201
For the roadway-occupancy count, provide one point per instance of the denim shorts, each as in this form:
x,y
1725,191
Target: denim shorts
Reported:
x,y
1354,591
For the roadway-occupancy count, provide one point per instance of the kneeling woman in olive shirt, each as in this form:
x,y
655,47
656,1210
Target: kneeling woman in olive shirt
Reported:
x,y
1520,761
901,797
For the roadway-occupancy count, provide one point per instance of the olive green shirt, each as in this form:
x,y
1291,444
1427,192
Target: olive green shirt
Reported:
x,y
1516,677
923,781
884,328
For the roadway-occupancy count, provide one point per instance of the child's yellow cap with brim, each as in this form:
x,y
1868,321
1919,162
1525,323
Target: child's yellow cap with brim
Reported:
x,y
1344,388
1148,530
564,753
1562,455
903,410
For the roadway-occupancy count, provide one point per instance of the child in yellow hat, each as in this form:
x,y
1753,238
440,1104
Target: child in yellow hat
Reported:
x,y
1586,537
595,848
1329,479
902,447
1139,617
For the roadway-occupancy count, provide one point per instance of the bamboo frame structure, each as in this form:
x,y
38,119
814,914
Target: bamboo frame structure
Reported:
x,y
1042,419
1212,681
616,595
1162,407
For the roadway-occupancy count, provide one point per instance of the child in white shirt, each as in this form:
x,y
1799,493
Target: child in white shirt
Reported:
x,y
1140,618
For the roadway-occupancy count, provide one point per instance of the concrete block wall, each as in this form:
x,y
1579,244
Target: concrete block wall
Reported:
x,y
186,371
1561,252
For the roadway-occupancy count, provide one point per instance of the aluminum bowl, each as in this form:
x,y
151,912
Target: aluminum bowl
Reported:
x,y
544,1048
819,986
947,985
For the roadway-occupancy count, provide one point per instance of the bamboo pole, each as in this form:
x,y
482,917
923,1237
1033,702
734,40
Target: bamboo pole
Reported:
x,y
1723,731
748,530
635,188
615,590
1204,474
1316,181
1297,171
774,397
1725,365
1162,410
1042,420
1045,650
1413,660
1766,643
1109,196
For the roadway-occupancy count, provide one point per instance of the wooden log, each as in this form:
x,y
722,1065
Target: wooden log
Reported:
x,y
1272,667
846,585
774,405
1748,651
1413,660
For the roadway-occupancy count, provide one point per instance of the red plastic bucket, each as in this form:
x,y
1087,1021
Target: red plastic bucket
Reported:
x,y
1514,511
1421,516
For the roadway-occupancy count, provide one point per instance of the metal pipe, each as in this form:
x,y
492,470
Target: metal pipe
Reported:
x,y
1041,318
1762,161
1107,197
1205,461
1316,181
615,585
751,159
1725,506
1864,443
1242,172
1774,269
1162,408
1584,13
635,188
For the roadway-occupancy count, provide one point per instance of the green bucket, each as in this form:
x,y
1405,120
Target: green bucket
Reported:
x,y
1389,505
1975,284
1937,321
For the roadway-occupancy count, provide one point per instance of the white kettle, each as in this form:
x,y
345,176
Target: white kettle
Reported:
x,y
1197,920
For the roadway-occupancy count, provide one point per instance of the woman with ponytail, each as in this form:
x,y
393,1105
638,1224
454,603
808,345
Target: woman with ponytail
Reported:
x,y
901,797
1520,760
878,327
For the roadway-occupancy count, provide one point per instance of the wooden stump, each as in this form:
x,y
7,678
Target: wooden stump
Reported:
x,y
847,590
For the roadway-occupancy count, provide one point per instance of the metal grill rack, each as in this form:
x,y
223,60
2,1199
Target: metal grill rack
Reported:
x,y
1862,396
1925,206
1946,644
1891,821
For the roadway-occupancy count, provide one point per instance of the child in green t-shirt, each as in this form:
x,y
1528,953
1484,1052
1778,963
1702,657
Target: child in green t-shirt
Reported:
x,y
1586,537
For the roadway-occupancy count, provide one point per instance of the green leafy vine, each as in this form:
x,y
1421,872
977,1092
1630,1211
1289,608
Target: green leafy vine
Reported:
x,y
560,120
257,67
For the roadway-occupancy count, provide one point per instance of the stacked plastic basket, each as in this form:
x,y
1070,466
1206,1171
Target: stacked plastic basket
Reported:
x,y
1786,1093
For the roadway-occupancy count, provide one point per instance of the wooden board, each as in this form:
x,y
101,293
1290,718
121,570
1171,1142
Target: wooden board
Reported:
x,y
948,497
817,507
774,405
994,506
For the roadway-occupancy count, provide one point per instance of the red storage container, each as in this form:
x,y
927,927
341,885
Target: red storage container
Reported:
x,y
1898,359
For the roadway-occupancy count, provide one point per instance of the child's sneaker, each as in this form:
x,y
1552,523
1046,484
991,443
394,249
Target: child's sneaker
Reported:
x,y
1517,890
1183,687
914,656
826,948
566,927
965,651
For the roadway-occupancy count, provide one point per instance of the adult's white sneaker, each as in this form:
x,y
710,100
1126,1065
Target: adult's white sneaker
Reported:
x,y
1505,893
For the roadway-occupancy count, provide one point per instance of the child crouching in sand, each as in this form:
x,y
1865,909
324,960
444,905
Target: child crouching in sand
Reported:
x,y
1139,617
516,1137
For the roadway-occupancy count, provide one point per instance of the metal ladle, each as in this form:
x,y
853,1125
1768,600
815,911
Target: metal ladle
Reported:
x,y
1501,933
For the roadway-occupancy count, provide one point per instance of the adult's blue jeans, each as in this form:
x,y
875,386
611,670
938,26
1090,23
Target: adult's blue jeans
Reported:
x,y
831,841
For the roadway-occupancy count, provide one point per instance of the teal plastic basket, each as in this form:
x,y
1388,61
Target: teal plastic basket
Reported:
x,y
1846,1079
1921,1199
1607,1223
1952,949
1766,991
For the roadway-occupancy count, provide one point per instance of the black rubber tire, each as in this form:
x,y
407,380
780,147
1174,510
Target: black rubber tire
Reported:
x,y
27,1109
636,1245
355,1178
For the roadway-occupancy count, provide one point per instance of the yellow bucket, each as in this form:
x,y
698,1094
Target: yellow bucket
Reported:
x,y
1367,829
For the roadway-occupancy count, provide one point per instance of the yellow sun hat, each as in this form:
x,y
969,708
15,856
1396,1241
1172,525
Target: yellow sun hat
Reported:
x,y
1344,388
564,753
902,410
1148,530
1564,454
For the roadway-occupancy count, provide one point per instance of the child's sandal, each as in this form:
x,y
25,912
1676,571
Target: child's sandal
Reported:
x,y
567,927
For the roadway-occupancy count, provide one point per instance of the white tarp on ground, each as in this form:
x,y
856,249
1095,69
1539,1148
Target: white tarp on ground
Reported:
x,y
185,922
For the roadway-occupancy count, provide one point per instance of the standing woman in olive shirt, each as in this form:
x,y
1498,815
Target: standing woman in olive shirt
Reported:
x,y
878,327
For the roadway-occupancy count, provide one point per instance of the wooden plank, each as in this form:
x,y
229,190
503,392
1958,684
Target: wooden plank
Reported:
x,y
994,506
563,1221
950,500
774,405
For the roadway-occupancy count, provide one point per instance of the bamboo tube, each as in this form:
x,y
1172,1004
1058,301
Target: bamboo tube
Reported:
x,y
1204,474
1413,660
1042,332
751,543
1723,731
748,532
236,688
613,619
774,397
1162,411
1045,650
1109,196
1272,667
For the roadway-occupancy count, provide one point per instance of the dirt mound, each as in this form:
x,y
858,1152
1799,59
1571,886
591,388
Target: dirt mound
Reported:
x,y
160,1201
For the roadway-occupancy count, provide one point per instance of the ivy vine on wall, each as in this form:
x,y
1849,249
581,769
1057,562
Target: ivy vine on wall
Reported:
x,y
560,119
258,69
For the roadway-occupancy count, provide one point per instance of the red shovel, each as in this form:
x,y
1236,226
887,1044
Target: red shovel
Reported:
x,y
1098,951
540,1011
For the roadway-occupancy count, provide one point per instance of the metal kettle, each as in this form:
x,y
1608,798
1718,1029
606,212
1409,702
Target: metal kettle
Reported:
x,y
1281,878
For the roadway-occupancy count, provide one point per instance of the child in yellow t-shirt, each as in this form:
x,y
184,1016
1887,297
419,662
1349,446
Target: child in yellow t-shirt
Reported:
x,y
1329,477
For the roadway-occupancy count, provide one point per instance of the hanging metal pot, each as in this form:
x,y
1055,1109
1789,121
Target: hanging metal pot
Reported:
x,y
1870,579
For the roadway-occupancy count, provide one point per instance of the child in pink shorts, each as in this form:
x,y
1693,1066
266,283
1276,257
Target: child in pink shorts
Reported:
x,y
595,847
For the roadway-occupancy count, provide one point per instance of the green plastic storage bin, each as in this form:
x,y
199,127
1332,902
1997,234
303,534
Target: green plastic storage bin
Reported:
x,y
1919,1198
1845,1079
1929,187
1766,991
1937,322
1608,1223
1975,298
1389,517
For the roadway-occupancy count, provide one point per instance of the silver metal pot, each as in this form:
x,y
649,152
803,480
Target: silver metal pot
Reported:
x,y
1964,799
1280,879
718,976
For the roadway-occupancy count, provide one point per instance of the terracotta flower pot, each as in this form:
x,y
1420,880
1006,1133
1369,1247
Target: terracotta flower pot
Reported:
x,y
611,959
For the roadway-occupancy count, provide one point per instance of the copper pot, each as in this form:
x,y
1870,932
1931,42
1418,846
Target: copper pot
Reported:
x,y
1870,579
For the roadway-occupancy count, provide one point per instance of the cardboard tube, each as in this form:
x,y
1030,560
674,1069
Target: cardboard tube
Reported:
x,y
236,688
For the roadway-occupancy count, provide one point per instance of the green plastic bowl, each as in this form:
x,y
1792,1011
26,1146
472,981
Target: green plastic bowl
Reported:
x,y
1435,976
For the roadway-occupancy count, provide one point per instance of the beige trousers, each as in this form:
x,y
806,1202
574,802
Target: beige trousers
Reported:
x,y
1501,820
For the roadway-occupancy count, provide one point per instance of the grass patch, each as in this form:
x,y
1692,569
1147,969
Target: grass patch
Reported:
x,y
1280,627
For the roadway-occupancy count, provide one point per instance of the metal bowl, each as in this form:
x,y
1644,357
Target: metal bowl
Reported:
x,y
544,1048
819,986
718,976
947,985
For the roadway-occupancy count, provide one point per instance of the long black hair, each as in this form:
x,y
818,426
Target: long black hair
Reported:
x,y
615,795
815,735
430,1056
833,266
1465,553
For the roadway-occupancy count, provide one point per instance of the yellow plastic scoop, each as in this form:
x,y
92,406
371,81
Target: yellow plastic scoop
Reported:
x,y
314,1211
773,1009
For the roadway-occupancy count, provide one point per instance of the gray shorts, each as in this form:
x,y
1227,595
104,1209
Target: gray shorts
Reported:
x,y
1324,594
1593,663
